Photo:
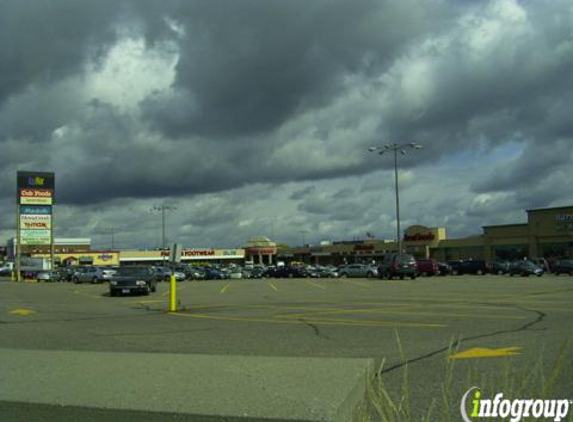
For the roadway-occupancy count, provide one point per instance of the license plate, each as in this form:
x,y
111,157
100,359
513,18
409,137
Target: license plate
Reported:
x,y
125,290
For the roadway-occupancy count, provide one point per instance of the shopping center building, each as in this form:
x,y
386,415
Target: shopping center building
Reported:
x,y
548,233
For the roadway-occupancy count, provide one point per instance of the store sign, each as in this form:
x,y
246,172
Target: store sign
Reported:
x,y
35,197
419,237
564,218
262,251
362,247
35,237
199,252
35,193
35,180
35,209
35,221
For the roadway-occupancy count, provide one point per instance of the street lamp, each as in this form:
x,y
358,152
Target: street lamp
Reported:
x,y
395,148
162,209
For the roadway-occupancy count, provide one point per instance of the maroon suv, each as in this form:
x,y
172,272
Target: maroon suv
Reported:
x,y
428,267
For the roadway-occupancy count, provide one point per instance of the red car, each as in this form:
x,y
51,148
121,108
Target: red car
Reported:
x,y
428,267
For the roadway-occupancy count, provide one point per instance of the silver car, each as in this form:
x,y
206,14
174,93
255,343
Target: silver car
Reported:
x,y
358,270
92,275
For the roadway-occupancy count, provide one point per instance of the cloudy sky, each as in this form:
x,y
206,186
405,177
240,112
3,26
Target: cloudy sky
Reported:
x,y
254,117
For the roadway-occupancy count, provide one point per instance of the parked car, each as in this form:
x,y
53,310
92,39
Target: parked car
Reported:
x,y
471,266
48,276
542,263
236,273
358,270
290,271
322,272
454,265
92,275
164,274
257,272
133,279
525,268
195,273
212,273
428,267
398,265
500,267
563,267
444,268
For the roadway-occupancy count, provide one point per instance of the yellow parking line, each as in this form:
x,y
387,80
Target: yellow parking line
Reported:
x,y
273,286
395,312
224,289
364,323
315,285
358,283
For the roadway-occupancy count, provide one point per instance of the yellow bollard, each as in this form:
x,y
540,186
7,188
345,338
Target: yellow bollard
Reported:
x,y
172,294
12,275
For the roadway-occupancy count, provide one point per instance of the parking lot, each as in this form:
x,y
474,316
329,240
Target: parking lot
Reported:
x,y
415,323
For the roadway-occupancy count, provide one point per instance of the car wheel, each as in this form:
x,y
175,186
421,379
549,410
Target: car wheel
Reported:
x,y
479,272
154,288
369,275
499,272
112,293
412,277
94,280
75,280
343,275
402,277
454,272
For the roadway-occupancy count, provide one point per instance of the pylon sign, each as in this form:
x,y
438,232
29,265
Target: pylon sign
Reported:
x,y
36,197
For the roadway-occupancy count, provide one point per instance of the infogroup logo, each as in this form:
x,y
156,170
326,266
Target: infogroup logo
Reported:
x,y
516,409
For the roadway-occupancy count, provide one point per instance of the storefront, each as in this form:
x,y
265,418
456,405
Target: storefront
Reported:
x,y
261,250
548,233
61,245
97,258
216,256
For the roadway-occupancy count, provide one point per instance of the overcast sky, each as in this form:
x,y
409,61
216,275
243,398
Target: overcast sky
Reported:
x,y
254,117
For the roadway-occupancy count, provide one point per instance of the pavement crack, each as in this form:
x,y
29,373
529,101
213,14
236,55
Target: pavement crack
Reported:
x,y
528,326
315,328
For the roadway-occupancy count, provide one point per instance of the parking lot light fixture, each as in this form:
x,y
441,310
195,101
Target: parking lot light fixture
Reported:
x,y
162,209
395,148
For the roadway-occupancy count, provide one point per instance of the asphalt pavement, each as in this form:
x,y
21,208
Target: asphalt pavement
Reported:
x,y
484,326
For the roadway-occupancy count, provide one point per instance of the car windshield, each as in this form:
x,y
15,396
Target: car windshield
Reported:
x,y
132,272
404,259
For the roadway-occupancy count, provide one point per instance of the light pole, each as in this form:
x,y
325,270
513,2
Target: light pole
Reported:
x,y
162,209
111,231
395,148
303,232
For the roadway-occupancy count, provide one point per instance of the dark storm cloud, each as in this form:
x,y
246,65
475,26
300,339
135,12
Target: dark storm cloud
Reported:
x,y
278,91
246,67
44,41
539,162
303,193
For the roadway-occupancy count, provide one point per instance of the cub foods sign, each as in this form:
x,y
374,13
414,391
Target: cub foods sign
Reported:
x,y
36,193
